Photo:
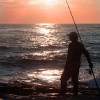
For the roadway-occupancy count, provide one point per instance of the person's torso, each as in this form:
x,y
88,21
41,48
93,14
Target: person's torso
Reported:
x,y
74,51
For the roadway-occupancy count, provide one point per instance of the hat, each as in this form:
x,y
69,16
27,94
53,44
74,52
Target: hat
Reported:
x,y
73,36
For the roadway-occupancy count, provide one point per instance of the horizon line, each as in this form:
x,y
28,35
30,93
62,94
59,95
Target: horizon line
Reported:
x,y
49,23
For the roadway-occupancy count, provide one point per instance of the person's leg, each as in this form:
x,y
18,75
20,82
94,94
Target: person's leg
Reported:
x,y
64,79
74,76
75,83
63,85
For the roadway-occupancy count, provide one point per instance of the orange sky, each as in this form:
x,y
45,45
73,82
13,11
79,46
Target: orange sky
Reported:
x,y
49,11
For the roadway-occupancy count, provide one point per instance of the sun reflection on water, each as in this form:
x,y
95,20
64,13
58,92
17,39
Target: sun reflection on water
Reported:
x,y
45,35
49,76
45,29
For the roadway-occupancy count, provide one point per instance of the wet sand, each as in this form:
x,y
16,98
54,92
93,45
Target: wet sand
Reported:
x,y
28,91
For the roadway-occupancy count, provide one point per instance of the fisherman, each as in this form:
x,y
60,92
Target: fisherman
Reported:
x,y
71,69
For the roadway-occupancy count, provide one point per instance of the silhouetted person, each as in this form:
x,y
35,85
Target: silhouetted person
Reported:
x,y
71,69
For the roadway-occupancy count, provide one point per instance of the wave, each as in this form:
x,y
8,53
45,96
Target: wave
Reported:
x,y
16,48
4,47
20,62
37,47
20,31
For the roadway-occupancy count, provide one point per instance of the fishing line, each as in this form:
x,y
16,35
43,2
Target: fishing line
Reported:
x,y
82,43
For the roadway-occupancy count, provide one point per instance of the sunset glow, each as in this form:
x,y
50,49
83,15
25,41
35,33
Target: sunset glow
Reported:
x,y
49,11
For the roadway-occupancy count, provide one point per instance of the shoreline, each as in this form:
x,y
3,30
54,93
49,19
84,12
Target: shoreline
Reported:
x,y
28,91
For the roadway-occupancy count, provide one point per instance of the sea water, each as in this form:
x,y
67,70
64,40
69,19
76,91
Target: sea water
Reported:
x,y
37,52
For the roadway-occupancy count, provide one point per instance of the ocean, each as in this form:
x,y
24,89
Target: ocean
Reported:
x,y
37,52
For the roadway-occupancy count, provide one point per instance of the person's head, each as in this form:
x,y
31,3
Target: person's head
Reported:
x,y
73,36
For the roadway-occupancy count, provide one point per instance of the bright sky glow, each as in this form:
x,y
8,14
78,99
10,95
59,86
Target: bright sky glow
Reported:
x,y
45,2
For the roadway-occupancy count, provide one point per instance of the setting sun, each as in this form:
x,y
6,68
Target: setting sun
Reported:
x,y
44,2
50,2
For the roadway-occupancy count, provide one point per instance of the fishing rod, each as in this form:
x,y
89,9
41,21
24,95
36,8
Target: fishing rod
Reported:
x,y
91,70
74,21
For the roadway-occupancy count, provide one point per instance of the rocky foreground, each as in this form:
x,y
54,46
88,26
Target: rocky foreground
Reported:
x,y
28,91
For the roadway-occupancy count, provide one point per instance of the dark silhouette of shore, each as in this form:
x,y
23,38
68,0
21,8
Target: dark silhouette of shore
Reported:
x,y
28,91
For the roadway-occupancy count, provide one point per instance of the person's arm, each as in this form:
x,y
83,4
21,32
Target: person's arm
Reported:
x,y
86,53
67,59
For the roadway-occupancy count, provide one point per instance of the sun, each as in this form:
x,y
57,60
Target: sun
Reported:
x,y
45,2
50,2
